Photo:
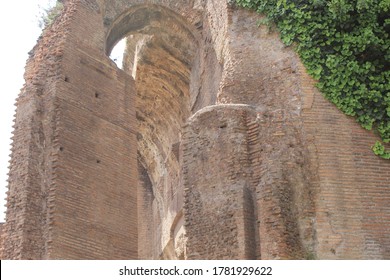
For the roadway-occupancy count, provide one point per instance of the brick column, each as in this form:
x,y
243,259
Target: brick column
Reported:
x,y
219,215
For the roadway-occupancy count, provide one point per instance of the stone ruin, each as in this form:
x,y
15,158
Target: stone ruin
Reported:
x,y
211,143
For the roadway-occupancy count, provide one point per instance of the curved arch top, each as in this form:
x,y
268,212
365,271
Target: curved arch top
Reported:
x,y
148,19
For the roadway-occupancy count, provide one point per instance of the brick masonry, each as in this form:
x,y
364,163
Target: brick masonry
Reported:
x,y
211,143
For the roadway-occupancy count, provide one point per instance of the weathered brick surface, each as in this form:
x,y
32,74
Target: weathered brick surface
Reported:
x,y
26,228
352,201
216,203
1,239
79,200
212,143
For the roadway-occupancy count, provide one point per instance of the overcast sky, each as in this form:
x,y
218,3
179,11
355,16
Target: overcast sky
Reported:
x,y
19,31
19,23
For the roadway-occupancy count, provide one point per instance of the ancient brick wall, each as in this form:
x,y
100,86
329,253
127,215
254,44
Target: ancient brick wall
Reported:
x,y
218,204
211,143
81,117
29,195
1,239
164,59
314,179
352,196
261,72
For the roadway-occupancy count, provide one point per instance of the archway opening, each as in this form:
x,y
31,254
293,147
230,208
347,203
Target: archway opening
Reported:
x,y
117,53
160,51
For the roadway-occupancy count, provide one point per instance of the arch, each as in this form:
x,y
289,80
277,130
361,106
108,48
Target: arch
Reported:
x,y
146,18
161,50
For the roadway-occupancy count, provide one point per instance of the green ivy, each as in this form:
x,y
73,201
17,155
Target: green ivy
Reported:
x,y
345,45
380,150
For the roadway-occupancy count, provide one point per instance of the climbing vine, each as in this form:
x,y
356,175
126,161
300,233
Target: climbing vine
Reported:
x,y
345,45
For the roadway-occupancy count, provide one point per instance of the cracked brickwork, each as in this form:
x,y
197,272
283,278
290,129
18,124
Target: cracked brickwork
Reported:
x,y
211,143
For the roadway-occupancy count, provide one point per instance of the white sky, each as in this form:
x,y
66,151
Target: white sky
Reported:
x,y
19,32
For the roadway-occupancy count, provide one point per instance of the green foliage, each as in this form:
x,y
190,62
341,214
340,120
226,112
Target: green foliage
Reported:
x,y
380,150
345,45
50,14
